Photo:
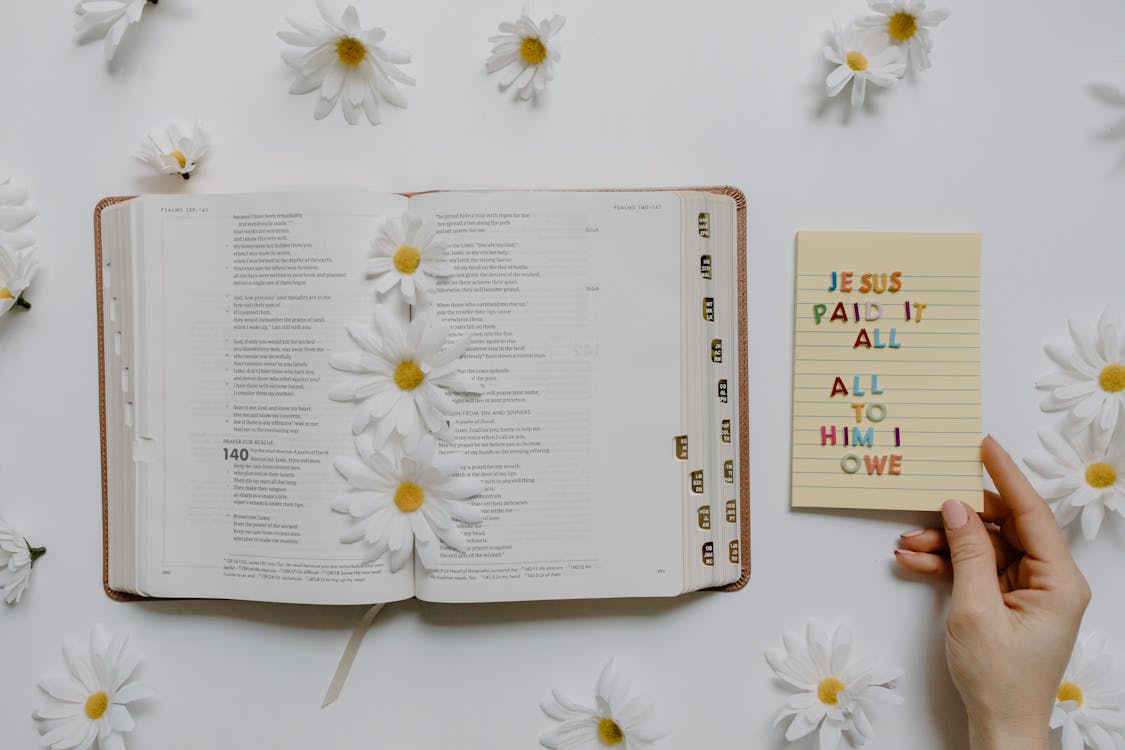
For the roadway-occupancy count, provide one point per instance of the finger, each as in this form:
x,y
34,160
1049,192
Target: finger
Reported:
x,y
973,558
924,563
933,541
1006,554
1037,532
924,540
995,511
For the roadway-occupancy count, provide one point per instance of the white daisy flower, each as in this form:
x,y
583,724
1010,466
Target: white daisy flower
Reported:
x,y
859,60
907,25
1091,383
400,501
1084,474
1090,705
91,702
174,149
404,377
108,18
405,253
16,270
525,50
343,61
834,691
616,720
17,557
17,246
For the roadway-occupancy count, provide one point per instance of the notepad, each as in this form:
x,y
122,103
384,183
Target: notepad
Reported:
x,y
886,371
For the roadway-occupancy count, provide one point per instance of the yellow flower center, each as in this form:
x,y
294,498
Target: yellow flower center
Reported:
x,y
408,375
179,157
1101,475
857,60
902,26
5,294
609,732
407,259
1112,378
96,705
409,497
350,51
1068,691
532,50
827,689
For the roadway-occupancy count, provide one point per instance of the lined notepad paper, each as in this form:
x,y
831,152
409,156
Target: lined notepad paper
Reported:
x,y
886,371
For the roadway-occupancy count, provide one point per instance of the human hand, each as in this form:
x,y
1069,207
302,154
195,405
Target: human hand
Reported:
x,y
1018,600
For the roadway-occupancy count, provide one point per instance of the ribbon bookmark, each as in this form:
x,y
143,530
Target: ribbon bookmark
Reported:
x,y
348,657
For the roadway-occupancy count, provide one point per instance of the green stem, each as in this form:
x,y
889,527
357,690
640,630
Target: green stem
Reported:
x,y
21,302
35,552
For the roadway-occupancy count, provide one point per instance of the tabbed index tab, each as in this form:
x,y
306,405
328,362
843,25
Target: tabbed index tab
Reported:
x,y
682,447
709,554
709,309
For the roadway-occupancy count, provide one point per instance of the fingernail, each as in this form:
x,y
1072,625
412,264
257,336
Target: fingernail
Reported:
x,y
905,552
954,513
908,534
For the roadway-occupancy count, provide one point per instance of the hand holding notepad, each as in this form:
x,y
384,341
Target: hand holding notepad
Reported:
x,y
886,370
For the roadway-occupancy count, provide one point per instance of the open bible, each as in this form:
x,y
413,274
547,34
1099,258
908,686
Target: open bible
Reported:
x,y
608,334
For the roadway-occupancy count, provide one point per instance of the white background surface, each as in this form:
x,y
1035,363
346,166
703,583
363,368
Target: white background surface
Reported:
x,y
1003,136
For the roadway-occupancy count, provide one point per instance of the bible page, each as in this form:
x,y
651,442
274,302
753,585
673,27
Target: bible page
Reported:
x,y
573,302
247,297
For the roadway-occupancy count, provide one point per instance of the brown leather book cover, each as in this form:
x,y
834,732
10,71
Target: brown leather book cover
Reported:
x,y
743,379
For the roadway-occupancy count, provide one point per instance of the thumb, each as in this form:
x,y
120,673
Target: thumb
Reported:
x,y
975,583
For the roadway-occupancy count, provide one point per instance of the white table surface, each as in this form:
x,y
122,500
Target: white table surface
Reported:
x,y
1004,136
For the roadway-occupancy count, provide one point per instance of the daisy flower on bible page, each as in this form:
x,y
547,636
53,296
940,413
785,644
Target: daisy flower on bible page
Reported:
x,y
859,60
1090,705
834,691
91,703
402,501
1090,384
108,18
1084,475
526,53
174,149
616,719
406,254
403,376
345,62
906,24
